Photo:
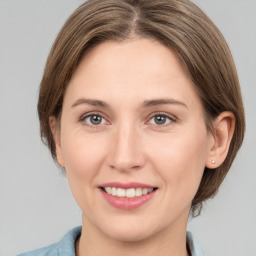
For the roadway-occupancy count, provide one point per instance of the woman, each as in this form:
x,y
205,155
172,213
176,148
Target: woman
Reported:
x,y
140,104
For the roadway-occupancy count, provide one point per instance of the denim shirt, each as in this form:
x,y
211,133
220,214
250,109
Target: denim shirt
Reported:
x,y
66,247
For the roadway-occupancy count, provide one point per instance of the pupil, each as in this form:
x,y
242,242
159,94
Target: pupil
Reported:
x,y
95,120
160,119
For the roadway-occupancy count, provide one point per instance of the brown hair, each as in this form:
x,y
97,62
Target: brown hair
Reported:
x,y
178,24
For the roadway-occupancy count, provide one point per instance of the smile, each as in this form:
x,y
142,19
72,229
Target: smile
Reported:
x,y
127,196
128,193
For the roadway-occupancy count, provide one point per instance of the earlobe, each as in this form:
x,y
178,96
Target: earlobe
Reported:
x,y
224,126
56,136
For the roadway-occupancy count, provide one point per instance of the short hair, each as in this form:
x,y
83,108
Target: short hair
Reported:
x,y
179,25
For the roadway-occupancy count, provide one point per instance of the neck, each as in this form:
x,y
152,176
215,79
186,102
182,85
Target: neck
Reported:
x,y
170,241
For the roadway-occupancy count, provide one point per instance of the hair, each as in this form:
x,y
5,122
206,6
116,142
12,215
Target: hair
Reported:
x,y
178,24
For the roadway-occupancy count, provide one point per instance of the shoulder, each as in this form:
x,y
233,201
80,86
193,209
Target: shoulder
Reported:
x,y
51,250
65,247
193,245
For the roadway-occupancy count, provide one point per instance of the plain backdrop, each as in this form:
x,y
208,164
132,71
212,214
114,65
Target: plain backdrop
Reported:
x,y
36,206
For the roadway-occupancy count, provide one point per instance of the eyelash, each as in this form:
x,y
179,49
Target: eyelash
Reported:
x,y
89,115
106,122
164,115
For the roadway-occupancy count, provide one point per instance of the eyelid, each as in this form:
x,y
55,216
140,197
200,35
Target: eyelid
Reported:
x,y
171,117
91,113
99,113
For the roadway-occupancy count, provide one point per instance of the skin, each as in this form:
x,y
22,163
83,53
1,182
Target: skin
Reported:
x,y
134,79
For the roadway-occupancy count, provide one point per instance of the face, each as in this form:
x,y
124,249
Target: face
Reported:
x,y
133,139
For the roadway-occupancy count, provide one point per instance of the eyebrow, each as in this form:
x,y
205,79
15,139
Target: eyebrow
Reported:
x,y
150,103
93,102
146,103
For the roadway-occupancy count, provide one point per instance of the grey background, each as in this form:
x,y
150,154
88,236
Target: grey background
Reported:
x,y
36,206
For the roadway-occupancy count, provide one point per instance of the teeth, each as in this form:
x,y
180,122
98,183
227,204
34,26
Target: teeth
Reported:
x,y
120,192
112,191
144,191
129,193
108,190
150,190
138,192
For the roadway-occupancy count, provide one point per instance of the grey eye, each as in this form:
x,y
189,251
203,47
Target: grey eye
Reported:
x,y
95,120
160,120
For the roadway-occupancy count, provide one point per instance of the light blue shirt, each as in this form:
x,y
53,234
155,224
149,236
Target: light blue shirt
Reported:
x,y
66,246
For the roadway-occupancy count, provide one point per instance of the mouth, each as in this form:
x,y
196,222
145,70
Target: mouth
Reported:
x,y
128,193
127,196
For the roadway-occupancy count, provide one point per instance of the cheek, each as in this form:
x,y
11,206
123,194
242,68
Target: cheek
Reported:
x,y
181,161
83,157
82,154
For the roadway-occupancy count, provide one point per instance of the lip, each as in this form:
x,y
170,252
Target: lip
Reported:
x,y
125,203
126,185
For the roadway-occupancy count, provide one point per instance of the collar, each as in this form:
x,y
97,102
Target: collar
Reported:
x,y
67,244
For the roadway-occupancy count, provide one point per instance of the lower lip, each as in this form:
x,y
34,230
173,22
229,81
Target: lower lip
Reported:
x,y
125,203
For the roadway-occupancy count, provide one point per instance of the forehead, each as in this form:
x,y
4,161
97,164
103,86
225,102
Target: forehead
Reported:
x,y
146,56
139,68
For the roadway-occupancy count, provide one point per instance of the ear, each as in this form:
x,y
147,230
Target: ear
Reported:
x,y
56,136
224,126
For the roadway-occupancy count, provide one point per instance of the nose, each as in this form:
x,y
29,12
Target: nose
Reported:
x,y
126,149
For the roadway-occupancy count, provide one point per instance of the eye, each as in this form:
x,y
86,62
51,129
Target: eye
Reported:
x,y
160,119
94,120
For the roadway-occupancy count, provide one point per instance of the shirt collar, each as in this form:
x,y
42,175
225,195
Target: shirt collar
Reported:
x,y
193,245
67,244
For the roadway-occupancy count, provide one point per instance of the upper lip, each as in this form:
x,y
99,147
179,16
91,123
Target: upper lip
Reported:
x,y
126,185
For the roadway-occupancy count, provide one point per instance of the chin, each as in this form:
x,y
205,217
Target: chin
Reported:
x,y
128,231
129,235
